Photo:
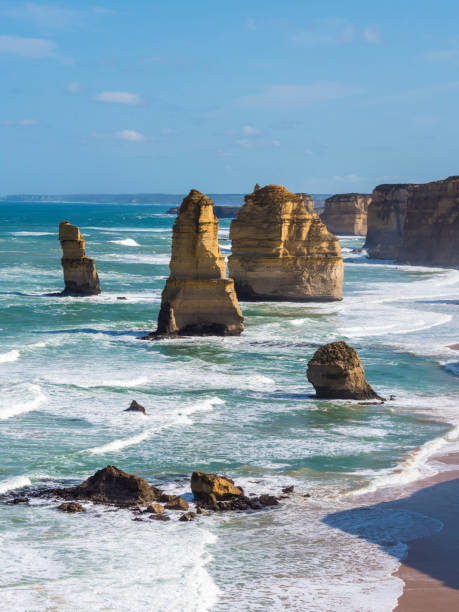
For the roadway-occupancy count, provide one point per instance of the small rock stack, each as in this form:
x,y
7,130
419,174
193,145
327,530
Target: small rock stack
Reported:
x,y
80,274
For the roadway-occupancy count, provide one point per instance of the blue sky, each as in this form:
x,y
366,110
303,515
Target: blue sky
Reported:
x,y
149,96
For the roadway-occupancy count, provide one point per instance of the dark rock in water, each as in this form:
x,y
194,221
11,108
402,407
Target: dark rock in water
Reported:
x,y
209,488
135,407
20,500
121,298
200,510
289,489
112,486
178,503
371,403
268,500
165,498
71,507
336,372
138,519
155,509
159,517
391,398
188,516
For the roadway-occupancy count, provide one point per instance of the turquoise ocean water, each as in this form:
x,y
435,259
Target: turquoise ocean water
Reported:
x,y
239,406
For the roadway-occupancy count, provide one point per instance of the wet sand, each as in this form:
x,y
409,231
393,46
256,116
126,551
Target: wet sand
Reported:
x,y
430,570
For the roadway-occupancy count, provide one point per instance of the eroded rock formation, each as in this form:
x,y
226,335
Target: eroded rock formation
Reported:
x,y
198,299
209,488
346,213
80,274
386,220
280,251
308,202
336,372
431,232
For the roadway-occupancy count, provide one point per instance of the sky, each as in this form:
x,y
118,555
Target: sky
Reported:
x,y
112,96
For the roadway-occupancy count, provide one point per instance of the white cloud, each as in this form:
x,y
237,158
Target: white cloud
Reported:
x,y
249,130
326,32
26,47
119,97
297,96
372,35
73,87
46,15
22,122
129,135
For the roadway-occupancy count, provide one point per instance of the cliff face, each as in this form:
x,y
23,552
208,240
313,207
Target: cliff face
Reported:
x,y
346,213
431,234
198,299
80,274
280,251
308,202
386,220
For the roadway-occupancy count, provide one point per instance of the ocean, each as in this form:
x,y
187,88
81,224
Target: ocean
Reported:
x,y
241,406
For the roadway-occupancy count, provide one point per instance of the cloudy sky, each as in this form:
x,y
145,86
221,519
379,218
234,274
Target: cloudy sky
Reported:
x,y
155,96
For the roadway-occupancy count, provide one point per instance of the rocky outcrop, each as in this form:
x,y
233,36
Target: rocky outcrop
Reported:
x,y
386,220
135,407
71,507
198,299
112,486
80,274
280,251
208,488
346,213
431,233
336,372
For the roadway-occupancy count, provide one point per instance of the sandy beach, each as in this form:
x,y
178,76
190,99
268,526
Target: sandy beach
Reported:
x,y
430,569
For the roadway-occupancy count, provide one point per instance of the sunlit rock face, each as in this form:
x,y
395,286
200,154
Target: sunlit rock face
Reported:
x,y
386,220
198,299
431,231
80,274
281,251
346,213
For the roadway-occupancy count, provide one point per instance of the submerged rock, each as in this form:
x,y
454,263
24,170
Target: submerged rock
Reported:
x,y
177,503
154,509
386,220
198,299
135,407
80,274
336,372
281,251
346,213
431,234
188,516
71,507
112,486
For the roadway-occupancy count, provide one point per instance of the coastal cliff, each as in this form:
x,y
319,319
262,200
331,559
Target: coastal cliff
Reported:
x,y
386,220
431,234
198,299
280,251
346,213
80,274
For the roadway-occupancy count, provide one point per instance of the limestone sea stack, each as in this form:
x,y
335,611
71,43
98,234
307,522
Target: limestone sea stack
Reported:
x,y
308,202
281,251
431,233
346,213
336,372
80,274
386,220
198,299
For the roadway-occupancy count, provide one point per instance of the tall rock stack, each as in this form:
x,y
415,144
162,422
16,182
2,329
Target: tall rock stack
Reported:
x,y
280,251
198,299
386,220
431,235
346,213
308,202
80,274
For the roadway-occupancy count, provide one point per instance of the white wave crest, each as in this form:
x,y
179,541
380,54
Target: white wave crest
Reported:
x,y
413,467
10,356
33,233
126,242
12,406
16,482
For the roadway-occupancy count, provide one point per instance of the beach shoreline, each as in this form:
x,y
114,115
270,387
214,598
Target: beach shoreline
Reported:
x,y
429,569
